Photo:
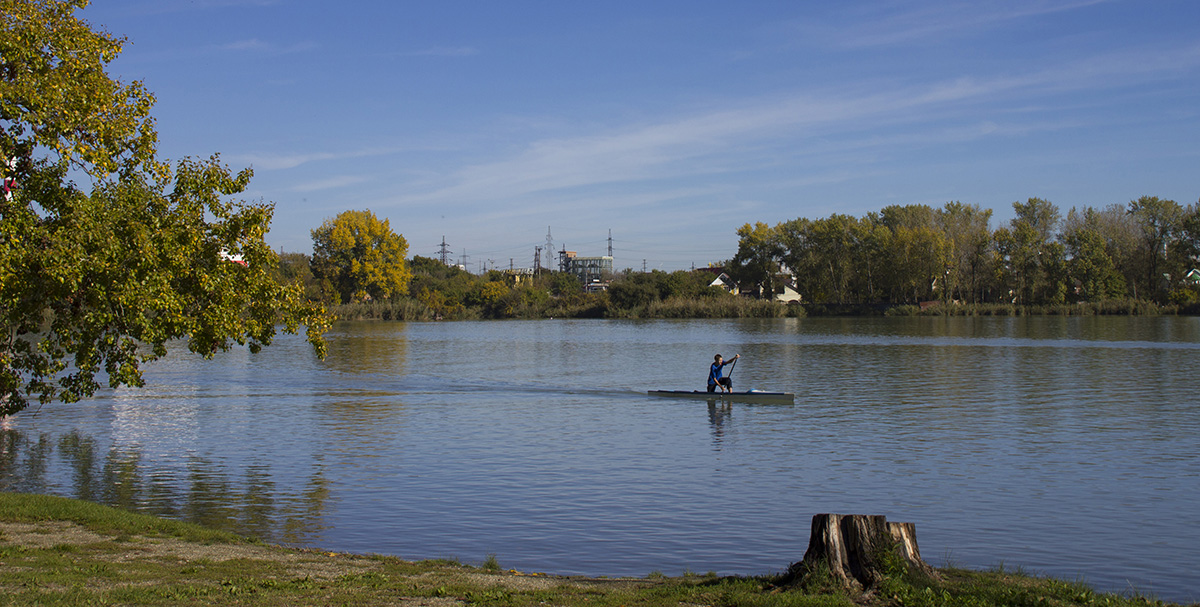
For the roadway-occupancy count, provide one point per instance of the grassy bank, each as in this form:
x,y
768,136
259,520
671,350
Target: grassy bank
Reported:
x,y
61,551
595,306
1115,307
590,305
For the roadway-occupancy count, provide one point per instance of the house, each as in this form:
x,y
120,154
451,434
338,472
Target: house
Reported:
x,y
596,286
789,293
787,279
725,282
518,276
1192,277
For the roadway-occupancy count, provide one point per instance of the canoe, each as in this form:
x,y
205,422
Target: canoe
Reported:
x,y
748,396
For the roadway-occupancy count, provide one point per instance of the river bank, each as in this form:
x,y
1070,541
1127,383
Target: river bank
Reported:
x,y
598,305
64,551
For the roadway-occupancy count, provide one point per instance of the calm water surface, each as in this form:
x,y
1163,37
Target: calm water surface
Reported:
x,y
1067,446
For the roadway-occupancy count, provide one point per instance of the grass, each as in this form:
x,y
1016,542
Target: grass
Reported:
x,y
62,551
597,306
1115,307
31,508
581,306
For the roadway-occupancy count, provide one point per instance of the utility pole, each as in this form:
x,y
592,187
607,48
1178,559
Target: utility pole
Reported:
x,y
537,259
445,252
643,266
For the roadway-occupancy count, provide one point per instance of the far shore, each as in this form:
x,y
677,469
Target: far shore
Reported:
x,y
408,309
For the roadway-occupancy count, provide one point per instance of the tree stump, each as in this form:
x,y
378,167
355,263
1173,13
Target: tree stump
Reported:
x,y
860,551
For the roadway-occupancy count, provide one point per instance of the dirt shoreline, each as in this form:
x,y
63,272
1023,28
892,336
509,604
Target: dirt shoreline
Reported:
x,y
308,563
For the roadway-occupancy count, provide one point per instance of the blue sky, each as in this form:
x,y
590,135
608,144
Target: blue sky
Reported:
x,y
669,123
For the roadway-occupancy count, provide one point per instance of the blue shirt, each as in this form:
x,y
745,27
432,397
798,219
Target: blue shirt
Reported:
x,y
714,373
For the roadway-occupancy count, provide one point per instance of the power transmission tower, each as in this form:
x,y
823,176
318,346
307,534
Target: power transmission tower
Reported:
x,y
465,257
445,252
549,246
610,242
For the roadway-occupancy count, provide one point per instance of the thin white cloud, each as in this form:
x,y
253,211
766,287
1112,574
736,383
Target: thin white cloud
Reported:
x,y
329,183
659,151
259,46
177,6
274,162
915,21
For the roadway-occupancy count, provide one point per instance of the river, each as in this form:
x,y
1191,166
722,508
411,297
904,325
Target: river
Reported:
x,y
1064,446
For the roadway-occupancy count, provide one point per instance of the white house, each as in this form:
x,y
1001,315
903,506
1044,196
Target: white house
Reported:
x,y
725,282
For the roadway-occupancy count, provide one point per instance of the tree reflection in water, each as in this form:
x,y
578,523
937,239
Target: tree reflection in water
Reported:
x,y
247,502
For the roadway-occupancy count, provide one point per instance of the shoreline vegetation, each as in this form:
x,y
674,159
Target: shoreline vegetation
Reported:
x,y
64,551
410,309
1137,259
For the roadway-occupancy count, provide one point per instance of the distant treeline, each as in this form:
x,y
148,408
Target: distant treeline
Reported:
x,y
1121,259
439,291
1134,258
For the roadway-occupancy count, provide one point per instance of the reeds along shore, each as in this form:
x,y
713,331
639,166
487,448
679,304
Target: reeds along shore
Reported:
x,y
598,306
585,306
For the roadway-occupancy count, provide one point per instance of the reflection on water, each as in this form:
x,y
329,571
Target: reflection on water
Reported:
x,y
1064,445
200,492
720,413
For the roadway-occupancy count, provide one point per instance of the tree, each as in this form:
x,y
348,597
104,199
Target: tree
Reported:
x,y
57,96
562,283
296,268
1034,261
358,256
1159,221
798,252
101,280
833,242
1091,255
1187,245
756,262
968,239
631,293
1185,254
918,254
442,288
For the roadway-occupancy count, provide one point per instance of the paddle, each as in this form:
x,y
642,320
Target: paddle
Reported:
x,y
731,368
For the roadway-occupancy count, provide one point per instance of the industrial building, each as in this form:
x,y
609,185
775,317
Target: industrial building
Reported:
x,y
590,270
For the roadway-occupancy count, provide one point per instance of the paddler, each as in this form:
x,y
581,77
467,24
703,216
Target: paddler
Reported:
x,y
714,374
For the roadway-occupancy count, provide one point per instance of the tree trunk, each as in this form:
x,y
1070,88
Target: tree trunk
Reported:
x,y
860,551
